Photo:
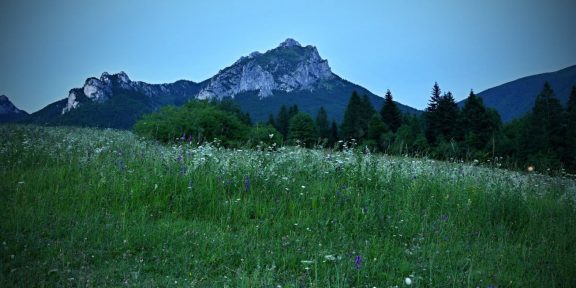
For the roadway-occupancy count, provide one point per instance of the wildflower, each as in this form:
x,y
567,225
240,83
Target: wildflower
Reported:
x,y
306,262
444,218
530,168
330,257
408,281
246,183
358,262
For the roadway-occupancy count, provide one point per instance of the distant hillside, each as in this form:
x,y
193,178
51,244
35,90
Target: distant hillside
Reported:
x,y
516,98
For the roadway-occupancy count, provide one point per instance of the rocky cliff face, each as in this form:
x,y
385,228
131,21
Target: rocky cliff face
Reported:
x,y
7,108
102,89
288,67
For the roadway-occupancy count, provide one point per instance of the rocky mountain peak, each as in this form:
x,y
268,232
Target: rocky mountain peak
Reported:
x,y
289,42
6,106
101,89
287,68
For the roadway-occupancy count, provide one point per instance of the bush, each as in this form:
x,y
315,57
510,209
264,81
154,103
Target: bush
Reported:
x,y
265,135
197,121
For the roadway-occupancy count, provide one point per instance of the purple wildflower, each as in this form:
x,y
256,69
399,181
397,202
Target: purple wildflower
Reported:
x,y
358,262
120,164
444,218
246,183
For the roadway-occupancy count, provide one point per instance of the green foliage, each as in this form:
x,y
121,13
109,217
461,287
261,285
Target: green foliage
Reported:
x,y
543,137
479,125
334,136
432,116
283,121
409,139
228,105
302,130
570,152
356,118
390,113
376,129
322,124
197,121
265,136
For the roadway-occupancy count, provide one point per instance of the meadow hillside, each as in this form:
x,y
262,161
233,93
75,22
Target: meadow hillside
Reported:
x,y
105,208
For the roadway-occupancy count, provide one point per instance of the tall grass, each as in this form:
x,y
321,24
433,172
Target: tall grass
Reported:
x,y
86,207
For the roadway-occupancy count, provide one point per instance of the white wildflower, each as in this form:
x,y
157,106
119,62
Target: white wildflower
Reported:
x,y
408,281
330,257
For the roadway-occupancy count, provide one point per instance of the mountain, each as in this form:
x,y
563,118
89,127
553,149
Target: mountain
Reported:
x,y
516,98
260,83
113,101
9,112
289,74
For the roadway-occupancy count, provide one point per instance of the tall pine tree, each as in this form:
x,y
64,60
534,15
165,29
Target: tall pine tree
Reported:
x,y
431,115
333,134
570,152
477,126
322,124
390,113
376,129
447,117
283,121
543,141
356,118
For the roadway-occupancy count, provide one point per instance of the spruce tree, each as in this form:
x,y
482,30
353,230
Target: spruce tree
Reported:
x,y
376,129
283,121
333,137
447,117
431,115
367,108
570,155
292,111
390,113
271,121
302,129
354,125
476,123
543,141
322,124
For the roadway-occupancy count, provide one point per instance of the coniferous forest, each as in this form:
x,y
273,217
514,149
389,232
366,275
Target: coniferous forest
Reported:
x,y
543,140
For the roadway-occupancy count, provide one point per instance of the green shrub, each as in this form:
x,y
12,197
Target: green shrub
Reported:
x,y
196,121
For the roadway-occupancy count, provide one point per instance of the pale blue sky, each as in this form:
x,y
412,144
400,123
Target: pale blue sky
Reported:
x,y
49,47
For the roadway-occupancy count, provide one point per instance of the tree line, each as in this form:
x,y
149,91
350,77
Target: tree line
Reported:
x,y
545,138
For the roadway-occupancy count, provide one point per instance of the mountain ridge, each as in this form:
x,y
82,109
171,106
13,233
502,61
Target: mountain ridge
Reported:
x,y
515,98
289,74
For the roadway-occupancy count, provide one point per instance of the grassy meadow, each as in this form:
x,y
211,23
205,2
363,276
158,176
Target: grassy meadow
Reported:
x,y
104,208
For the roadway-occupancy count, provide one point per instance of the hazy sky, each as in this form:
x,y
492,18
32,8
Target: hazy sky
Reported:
x,y
49,47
